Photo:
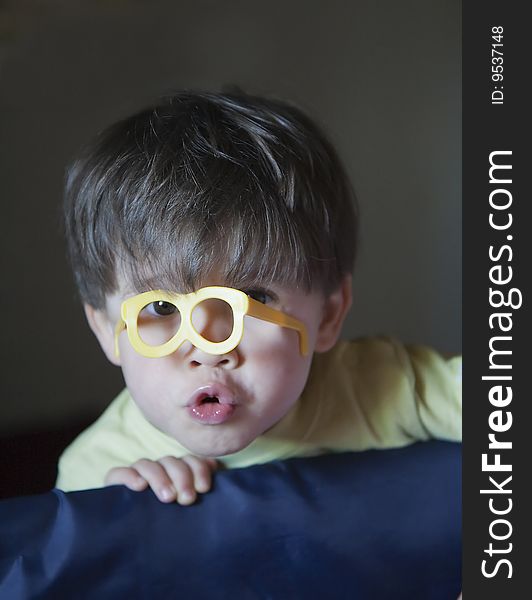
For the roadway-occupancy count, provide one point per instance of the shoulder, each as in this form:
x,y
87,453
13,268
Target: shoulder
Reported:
x,y
393,387
387,354
119,437
98,448
368,380
368,358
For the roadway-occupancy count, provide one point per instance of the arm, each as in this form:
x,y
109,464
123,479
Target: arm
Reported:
x,y
437,389
118,438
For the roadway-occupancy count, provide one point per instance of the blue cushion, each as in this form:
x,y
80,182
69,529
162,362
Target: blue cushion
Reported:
x,y
372,525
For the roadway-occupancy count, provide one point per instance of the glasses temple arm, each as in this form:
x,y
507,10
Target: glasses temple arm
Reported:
x,y
261,311
120,326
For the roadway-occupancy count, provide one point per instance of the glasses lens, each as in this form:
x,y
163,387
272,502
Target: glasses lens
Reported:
x,y
158,322
213,319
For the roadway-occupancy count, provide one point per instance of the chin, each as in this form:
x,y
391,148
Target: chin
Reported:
x,y
221,446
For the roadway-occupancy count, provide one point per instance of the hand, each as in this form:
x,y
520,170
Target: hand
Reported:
x,y
170,478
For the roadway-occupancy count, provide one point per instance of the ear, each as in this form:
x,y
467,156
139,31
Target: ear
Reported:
x,y
103,329
335,309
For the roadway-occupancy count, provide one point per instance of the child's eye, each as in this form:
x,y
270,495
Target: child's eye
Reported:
x,y
259,295
162,308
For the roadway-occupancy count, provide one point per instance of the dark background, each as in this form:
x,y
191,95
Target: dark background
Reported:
x,y
381,77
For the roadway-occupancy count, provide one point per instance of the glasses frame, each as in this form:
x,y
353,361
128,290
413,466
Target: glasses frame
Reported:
x,y
240,303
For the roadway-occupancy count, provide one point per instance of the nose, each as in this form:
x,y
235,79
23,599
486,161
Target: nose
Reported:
x,y
213,320
197,358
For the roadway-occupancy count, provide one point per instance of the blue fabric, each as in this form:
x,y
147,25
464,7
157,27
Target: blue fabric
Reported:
x,y
373,525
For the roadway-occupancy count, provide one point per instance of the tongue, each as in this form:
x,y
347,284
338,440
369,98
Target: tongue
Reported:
x,y
210,400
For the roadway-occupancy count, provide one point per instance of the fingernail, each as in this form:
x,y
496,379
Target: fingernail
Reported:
x,y
186,497
202,487
167,494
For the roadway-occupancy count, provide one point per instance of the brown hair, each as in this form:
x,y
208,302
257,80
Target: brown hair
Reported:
x,y
242,186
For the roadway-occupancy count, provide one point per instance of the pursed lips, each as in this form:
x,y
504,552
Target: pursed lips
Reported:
x,y
212,404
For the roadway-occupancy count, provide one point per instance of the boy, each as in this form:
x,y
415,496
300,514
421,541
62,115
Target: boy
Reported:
x,y
212,239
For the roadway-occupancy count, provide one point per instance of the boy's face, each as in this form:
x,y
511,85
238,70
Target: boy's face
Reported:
x,y
218,404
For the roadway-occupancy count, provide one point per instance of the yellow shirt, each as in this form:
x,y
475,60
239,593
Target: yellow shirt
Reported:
x,y
369,393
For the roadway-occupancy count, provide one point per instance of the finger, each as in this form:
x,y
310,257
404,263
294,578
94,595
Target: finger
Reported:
x,y
182,478
126,476
202,469
157,478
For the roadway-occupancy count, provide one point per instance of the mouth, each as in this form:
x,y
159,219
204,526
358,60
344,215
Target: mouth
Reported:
x,y
212,404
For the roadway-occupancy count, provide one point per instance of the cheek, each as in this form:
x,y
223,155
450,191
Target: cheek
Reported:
x,y
267,339
143,377
275,347
278,369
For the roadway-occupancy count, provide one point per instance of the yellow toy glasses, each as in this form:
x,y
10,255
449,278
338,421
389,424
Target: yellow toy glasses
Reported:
x,y
158,322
